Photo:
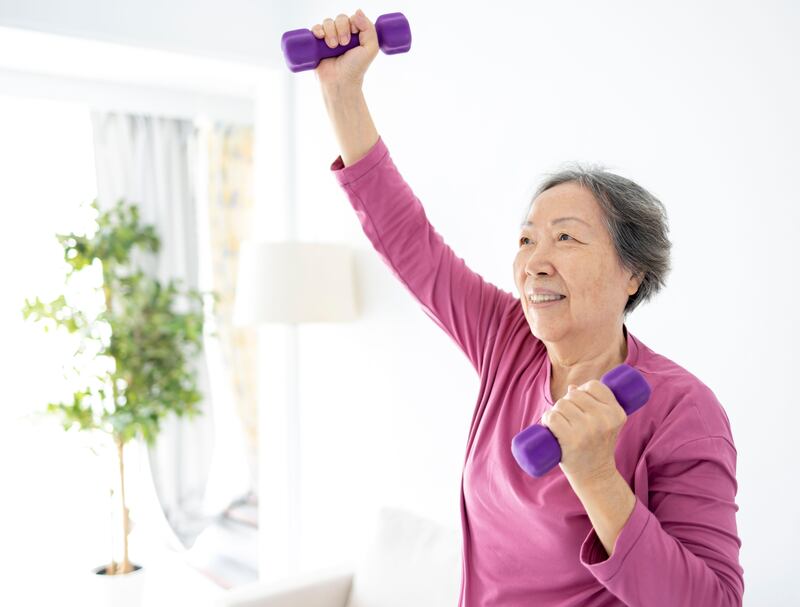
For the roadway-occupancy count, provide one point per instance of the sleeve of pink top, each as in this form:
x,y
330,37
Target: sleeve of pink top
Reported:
x,y
684,552
457,299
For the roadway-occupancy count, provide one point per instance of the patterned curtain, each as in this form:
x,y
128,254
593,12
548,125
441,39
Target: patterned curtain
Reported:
x,y
230,202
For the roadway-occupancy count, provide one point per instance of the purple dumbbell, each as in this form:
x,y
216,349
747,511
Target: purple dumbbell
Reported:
x,y
303,50
536,448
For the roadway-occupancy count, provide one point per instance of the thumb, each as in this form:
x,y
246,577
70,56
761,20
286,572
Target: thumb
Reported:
x,y
367,32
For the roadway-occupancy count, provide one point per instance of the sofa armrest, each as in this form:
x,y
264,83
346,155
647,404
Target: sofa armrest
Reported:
x,y
322,588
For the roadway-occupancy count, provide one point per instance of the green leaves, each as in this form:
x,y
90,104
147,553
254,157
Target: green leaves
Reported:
x,y
57,311
156,331
76,413
118,233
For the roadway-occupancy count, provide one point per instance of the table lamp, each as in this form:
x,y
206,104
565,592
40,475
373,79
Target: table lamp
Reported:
x,y
293,282
287,283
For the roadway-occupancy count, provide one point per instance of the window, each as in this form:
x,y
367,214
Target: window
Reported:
x,y
55,512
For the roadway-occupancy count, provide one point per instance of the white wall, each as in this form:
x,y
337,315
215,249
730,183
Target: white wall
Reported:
x,y
238,30
695,102
113,77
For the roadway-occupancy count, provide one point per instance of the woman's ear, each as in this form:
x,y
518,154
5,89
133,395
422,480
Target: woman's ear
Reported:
x,y
634,282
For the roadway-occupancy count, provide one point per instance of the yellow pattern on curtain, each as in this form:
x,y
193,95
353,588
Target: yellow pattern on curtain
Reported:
x,y
230,202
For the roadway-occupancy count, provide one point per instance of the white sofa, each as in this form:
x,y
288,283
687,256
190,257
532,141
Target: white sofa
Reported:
x,y
411,560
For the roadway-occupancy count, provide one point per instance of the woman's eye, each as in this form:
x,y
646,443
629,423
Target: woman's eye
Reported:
x,y
524,238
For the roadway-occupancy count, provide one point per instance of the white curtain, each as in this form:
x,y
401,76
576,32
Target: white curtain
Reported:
x,y
153,162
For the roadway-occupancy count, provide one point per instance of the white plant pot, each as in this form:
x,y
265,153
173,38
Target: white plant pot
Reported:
x,y
124,590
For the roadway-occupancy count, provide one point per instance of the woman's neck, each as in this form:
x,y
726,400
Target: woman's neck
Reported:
x,y
583,360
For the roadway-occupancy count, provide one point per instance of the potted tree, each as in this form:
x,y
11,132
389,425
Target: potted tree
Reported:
x,y
145,334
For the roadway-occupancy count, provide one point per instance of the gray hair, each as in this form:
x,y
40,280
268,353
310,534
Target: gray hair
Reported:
x,y
635,219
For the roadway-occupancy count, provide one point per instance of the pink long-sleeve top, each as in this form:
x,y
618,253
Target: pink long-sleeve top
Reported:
x,y
528,541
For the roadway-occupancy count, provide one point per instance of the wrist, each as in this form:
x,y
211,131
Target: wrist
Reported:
x,y
338,90
599,478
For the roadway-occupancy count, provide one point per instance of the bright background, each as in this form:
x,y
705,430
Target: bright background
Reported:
x,y
696,101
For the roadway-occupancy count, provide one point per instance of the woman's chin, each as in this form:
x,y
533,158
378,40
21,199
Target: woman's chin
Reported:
x,y
545,330
544,325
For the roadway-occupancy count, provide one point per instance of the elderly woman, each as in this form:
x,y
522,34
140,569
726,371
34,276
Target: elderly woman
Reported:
x,y
640,511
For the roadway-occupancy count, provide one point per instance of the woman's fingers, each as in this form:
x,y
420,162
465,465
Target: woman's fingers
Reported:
x,y
331,38
336,31
343,28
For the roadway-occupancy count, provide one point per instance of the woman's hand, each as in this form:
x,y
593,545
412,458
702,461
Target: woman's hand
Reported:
x,y
348,69
586,422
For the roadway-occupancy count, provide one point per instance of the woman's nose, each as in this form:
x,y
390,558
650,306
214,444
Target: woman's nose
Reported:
x,y
538,261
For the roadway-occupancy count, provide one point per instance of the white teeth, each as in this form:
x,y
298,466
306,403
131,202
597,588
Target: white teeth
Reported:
x,y
541,298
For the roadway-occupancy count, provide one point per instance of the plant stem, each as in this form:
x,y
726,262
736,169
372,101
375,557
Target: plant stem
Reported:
x,y
126,565
112,568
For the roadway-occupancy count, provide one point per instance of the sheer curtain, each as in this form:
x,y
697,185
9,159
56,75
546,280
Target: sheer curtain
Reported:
x,y
153,162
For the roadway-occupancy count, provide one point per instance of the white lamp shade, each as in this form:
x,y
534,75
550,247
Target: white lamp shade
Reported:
x,y
294,282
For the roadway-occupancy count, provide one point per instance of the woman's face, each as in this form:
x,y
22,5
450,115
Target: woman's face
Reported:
x,y
574,257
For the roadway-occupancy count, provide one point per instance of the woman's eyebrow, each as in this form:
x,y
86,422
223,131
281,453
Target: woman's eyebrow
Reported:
x,y
528,224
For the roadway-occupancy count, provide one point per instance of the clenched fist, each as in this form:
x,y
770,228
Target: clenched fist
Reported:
x,y
586,422
349,68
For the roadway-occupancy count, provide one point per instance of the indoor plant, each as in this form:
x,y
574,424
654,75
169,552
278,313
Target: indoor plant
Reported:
x,y
144,335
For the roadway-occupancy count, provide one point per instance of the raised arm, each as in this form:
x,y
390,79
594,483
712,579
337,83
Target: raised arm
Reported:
x,y
341,79
352,123
461,302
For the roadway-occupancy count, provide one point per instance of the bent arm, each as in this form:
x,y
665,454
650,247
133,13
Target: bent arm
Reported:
x,y
686,551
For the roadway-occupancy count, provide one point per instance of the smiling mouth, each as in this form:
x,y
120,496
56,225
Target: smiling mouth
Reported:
x,y
540,299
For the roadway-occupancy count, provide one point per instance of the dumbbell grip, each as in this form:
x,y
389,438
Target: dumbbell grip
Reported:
x,y
303,50
536,448
324,51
